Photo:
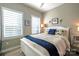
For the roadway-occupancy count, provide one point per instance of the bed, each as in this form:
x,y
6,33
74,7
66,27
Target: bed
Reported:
x,y
57,44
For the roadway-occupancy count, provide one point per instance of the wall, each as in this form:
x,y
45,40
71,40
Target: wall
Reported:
x,y
27,12
69,13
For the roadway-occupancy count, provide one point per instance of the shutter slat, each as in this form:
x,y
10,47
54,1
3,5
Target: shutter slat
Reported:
x,y
12,23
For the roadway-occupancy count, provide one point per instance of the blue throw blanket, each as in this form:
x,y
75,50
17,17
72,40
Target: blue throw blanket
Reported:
x,y
48,46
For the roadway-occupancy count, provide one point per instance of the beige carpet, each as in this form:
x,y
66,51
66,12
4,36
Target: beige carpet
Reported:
x,y
18,52
15,52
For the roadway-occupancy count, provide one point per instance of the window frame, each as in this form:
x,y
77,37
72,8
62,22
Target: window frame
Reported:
x,y
12,37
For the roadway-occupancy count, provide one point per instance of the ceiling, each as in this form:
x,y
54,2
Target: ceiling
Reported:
x,y
43,7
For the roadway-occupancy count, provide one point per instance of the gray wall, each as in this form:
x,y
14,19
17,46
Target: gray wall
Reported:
x,y
27,12
69,13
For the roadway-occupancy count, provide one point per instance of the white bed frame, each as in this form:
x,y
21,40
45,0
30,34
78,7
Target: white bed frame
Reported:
x,y
28,51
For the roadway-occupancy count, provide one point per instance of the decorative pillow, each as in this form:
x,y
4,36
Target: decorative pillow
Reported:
x,y
52,31
60,32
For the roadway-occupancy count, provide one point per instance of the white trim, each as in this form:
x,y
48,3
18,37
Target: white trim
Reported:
x,y
11,38
9,49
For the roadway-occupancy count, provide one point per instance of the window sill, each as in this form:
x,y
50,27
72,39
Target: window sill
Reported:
x,y
9,38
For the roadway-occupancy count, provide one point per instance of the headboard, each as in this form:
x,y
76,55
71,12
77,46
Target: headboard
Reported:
x,y
62,28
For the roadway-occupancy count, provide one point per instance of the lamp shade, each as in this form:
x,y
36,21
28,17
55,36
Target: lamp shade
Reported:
x,y
78,28
42,25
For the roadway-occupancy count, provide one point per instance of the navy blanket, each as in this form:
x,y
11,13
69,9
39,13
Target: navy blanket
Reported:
x,y
48,46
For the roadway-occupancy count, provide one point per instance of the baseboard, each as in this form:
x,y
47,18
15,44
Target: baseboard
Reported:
x,y
9,49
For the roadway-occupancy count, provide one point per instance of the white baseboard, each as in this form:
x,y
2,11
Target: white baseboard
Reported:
x,y
9,49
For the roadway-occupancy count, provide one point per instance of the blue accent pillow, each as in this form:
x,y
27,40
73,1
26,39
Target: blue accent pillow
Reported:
x,y
52,31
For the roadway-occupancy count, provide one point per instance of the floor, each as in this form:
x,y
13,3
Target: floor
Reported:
x,y
18,52
15,52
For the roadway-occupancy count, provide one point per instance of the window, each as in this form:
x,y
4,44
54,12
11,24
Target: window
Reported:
x,y
12,22
35,24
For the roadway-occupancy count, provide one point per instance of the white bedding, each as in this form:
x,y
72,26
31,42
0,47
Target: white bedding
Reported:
x,y
60,42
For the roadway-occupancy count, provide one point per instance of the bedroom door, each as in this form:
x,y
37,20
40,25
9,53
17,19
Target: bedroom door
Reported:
x,y
35,24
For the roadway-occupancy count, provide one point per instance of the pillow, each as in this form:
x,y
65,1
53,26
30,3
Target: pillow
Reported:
x,y
52,31
60,32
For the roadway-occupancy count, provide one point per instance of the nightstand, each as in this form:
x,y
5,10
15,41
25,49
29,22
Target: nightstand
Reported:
x,y
75,45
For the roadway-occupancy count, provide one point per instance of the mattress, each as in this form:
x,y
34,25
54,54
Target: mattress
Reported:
x,y
61,43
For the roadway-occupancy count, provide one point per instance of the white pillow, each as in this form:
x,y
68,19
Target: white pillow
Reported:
x,y
61,32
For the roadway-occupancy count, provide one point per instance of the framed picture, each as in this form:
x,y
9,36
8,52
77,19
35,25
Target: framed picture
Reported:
x,y
54,21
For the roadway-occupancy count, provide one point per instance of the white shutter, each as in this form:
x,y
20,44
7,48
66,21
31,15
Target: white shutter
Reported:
x,y
12,23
